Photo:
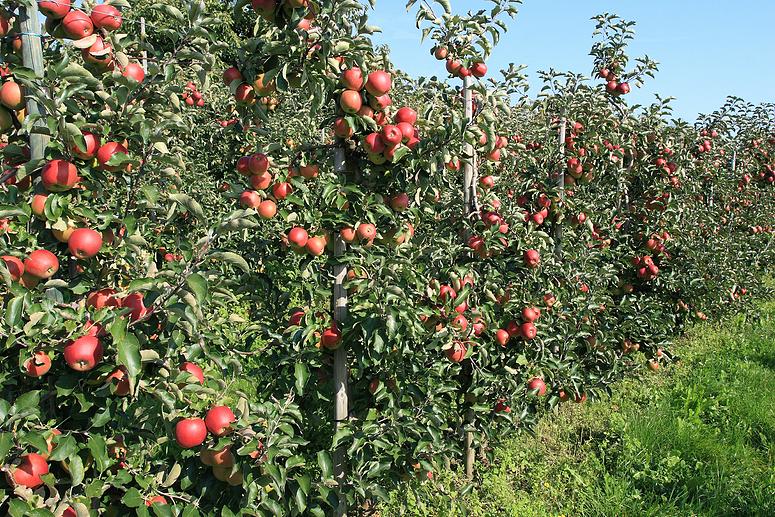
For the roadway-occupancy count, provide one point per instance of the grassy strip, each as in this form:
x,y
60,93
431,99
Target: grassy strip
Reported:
x,y
696,439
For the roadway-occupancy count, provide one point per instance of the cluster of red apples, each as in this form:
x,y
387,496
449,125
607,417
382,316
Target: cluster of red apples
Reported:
x,y
219,422
192,96
369,98
613,86
456,68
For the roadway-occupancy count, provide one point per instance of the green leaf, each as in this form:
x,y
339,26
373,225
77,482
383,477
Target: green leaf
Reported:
x,y
133,498
76,470
198,285
231,258
302,374
326,465
6,442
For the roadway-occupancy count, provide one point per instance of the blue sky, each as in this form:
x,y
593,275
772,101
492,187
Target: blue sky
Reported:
x,y
706,49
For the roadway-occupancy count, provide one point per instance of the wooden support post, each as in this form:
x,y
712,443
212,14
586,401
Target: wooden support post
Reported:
x,y
142,38
469,186
341,403
560,188
32,57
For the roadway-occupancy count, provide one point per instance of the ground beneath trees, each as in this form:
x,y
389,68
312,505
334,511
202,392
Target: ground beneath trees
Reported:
x,y
696,439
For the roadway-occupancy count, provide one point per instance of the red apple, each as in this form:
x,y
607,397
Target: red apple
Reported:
x,y
378,83
219,420
405,114
331,337
15,267
352,79
107,151
41,264
194,370
106,17
83,354
537,385
92,144
77,25
59,176
135,72
55,9
84,243
298,237
28,472
37,365
190,432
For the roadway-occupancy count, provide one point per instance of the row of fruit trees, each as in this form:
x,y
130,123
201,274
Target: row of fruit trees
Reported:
x,y
287,289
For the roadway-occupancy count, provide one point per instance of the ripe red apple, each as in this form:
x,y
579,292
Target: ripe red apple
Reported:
x,y
249,199
190,432
244,94
103,298
380,104
531,314
479,69
316,246
157,499
136,303
83,354
528,331
309,171
331,337
37,365
440,53
453,67
352,79
537,385
54,9
41,264
84,243
260,181
77,25
351,101
456,353
15,267
342,128
298,237
281,190
219,420
28,472
194,370
391,135
378,83
12,95
106,17
120,379
92,144
59,176
296,316
107,151
230,75
407,131
373,143
487,181
135,72
502,337
347,234
258,163
366,232
214,458
623,88
99,53
405,114
399,202
267,209
532,259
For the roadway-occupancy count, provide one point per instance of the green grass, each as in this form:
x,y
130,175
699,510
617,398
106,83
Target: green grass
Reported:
x,y
696,439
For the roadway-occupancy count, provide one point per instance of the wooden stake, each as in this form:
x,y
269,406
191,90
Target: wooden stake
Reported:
x,y
142,38
468,171
561,189
32,57
341,403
